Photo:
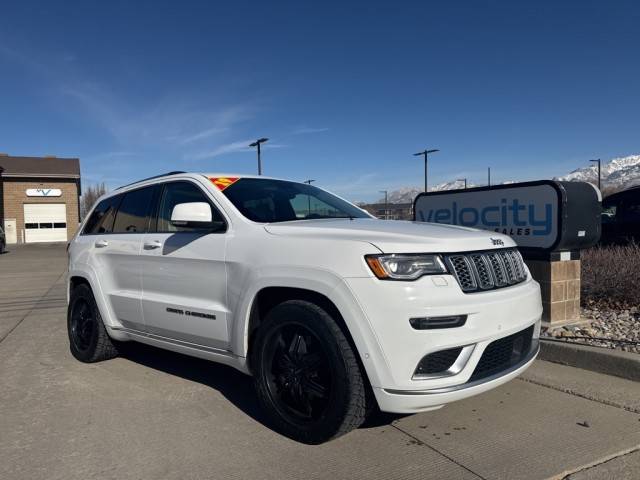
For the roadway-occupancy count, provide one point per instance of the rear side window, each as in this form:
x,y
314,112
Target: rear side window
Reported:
x,y
101,220
134,211
181,192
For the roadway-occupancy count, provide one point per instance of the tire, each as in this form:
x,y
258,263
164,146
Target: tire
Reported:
x,y
88,338
306,374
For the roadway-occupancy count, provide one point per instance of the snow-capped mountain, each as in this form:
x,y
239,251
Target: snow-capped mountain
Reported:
x,y
454,185
617,174
408,194
403,195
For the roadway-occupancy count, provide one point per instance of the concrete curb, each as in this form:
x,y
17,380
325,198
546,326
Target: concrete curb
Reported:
x,y
597,359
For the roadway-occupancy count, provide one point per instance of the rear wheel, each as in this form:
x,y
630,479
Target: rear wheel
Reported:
x,y
306,374
88,338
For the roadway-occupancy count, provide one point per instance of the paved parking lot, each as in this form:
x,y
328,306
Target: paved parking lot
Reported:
x,y
154,414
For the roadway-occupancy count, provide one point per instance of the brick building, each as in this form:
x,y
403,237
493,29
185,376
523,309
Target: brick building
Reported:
x,y
39,198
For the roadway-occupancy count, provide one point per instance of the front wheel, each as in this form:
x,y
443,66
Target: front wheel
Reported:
x,y
306,374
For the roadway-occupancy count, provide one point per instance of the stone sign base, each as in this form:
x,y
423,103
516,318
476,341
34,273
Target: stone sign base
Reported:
x,y
560,284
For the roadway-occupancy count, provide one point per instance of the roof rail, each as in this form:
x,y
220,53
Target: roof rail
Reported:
x,y
151,178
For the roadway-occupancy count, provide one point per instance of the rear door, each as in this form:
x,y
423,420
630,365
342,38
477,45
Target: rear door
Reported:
x,y
184,275
114,233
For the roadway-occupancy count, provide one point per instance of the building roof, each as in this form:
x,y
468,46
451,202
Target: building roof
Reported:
x,y
45,167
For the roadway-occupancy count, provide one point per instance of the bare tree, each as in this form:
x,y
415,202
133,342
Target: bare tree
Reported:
x,y
89,197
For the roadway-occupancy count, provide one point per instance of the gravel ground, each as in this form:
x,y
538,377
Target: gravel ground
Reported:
x,y
604,327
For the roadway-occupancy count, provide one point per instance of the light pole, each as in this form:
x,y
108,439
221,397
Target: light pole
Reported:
x,y
463,180
425,153
599,167
257,144
489,176
308,182
386,204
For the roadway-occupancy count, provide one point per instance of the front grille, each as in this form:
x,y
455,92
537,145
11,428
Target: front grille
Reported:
x,y
487,270
503,353
437,362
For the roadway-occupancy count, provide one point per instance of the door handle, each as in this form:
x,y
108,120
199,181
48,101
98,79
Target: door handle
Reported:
x,y
152,245
101,243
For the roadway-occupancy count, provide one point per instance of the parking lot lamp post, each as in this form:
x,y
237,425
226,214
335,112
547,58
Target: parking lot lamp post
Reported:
x,y
463,180
599,170
386,204
257,144
426,154
309,182
489,176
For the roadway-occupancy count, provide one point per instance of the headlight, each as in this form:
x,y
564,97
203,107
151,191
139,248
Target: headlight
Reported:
x,y
405,267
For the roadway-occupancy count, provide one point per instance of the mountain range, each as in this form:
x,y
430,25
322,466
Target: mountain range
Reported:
x,y
617,174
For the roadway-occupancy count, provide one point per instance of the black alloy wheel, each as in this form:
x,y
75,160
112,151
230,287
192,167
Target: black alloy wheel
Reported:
x,y
82,325
308,379
88,338
298,373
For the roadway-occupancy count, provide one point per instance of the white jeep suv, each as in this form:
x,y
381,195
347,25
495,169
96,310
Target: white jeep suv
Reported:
x,y
332,311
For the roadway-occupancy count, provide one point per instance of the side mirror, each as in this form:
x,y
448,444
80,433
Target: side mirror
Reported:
x,y
194,215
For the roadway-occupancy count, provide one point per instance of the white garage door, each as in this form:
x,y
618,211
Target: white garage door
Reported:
x,y
45,222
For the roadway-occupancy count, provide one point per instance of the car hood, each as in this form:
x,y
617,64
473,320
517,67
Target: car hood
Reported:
x,y
394,236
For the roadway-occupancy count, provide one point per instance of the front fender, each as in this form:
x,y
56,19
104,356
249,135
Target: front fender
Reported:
x,y
327,284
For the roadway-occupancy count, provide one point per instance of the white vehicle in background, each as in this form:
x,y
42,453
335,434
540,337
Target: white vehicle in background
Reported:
x,y
332,311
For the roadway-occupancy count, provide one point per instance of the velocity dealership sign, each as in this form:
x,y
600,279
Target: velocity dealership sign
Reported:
x,y
534,214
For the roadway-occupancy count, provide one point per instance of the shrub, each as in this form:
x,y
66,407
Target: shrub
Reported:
x,y
611,275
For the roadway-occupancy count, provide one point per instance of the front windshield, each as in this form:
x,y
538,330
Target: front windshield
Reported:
x,y
268,201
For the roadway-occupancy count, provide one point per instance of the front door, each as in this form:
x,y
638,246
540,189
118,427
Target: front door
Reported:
x,y
184,276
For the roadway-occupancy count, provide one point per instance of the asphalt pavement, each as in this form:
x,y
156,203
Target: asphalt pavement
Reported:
x,y
152,414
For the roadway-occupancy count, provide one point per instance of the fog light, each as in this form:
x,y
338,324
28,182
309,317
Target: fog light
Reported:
x,y
430,323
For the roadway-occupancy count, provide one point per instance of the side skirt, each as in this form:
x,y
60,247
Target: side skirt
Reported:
x,y
200,351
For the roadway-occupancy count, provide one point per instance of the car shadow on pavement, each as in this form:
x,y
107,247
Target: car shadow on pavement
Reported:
x,y
232,384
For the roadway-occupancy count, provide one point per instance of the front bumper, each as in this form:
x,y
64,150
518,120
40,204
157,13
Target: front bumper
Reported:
x,y
412,401
386,308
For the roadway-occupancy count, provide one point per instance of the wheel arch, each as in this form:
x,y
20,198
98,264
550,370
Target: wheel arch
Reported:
x,y
336,300
76,280
269,297
85,274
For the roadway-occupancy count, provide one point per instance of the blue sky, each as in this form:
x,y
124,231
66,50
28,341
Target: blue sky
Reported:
x,y
346,91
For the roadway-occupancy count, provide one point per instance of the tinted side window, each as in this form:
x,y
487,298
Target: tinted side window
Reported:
x,y
133,212
181,192
631,210
101,220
